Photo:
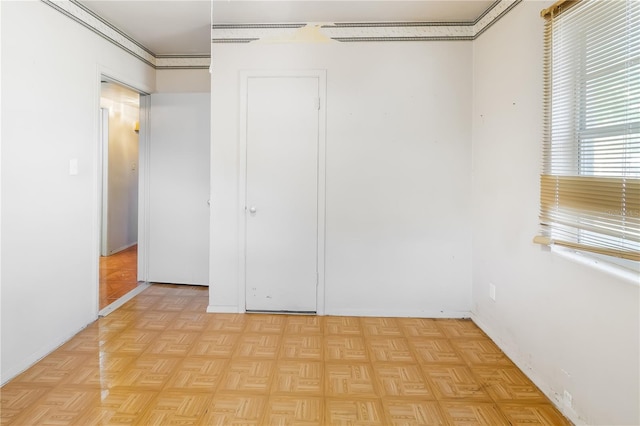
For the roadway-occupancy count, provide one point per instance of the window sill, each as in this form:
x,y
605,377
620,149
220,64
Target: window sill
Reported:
x,y
599,263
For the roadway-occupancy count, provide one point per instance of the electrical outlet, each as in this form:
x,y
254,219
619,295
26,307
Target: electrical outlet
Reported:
x,y
567,399
492,291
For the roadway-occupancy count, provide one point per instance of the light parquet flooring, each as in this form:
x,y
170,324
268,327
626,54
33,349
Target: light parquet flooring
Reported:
x,y
118,275
161,360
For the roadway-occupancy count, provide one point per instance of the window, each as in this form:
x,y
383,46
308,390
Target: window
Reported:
x,y
590,183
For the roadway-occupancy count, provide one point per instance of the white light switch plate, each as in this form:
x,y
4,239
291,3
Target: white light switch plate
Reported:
x,y
73,166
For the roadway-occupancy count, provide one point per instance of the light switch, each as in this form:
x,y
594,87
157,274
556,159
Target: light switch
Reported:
x,y
73,166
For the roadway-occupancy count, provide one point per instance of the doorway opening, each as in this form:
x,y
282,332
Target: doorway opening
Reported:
x,y
120,147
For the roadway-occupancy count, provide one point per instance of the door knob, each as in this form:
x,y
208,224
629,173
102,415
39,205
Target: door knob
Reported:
x,y
252,209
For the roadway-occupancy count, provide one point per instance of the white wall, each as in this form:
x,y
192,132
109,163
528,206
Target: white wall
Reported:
x,y
183,81
398,173
50,112
122,216
1,133
569,326
180,82
178,159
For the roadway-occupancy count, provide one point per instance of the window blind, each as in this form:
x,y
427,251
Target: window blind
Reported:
x,y
590,182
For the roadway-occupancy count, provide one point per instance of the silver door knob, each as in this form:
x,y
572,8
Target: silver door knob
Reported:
x,y
252,209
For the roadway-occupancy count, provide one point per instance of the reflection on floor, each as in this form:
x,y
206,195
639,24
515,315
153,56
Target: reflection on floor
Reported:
x,y
160,359
118,275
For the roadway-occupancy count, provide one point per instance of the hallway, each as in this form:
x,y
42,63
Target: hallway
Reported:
x,y
118,275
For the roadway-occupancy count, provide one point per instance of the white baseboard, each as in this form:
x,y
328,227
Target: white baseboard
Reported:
x,y
393,313
30,361
123,248
233,309
34,358
124,299
526,368
223,309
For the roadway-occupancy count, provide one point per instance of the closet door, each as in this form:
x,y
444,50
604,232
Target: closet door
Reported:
x,y
281,213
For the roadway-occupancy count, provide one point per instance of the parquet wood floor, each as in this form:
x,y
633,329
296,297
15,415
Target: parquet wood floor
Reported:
x,y
161,360
118,275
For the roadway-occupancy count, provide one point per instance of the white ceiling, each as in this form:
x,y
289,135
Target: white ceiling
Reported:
x,y
183,27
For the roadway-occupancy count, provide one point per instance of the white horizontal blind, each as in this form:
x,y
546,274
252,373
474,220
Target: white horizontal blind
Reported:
x,y
590,185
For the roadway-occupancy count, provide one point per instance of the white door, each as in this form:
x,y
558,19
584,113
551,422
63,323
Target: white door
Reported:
x,y
178,233
282,124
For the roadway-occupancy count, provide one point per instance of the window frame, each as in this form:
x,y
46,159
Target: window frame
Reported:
x,y
576,175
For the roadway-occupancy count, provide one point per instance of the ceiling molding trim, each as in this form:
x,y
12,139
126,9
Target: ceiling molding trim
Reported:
x,y
396,24
85,17
247,33
489,9
412,38
403,32
370,31
233,40
107,24
493,15
254,26
180,62
90,21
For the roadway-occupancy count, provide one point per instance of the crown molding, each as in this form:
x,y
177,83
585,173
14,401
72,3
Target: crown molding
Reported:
x,y
368,32
182,62
247,33
88,19
493,15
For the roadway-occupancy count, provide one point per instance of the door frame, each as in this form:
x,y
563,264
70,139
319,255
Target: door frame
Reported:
x,y
143,191
104,152
245,75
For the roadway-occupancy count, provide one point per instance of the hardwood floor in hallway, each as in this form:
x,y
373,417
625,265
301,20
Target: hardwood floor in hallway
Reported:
x,y
118,275
160,359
